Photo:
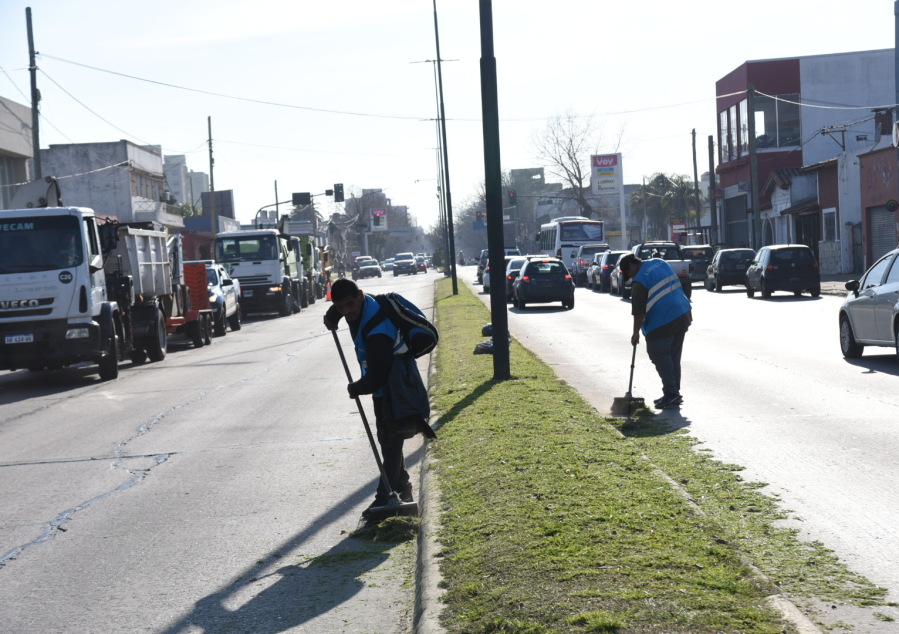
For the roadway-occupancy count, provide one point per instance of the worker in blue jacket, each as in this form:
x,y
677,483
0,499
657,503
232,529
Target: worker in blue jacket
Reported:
x,y
375,353
663,313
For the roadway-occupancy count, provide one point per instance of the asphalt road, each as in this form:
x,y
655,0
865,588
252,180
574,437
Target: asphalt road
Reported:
x,y
209,492
765,386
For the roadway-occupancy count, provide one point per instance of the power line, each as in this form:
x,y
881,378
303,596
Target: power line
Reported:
x,y
811,105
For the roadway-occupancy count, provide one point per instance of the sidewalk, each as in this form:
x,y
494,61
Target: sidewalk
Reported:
x,y
836,284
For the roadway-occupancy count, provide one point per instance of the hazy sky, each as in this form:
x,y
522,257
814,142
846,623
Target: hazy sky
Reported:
x,y
655,61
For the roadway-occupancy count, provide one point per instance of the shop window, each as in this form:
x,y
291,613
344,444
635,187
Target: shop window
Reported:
x,y
732,133
722,136
744,128
777,122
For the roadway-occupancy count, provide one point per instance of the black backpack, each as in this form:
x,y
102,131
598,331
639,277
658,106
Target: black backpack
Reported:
x,y
417,331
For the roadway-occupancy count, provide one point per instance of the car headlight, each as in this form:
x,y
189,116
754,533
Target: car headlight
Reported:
x,y
77,333
274,289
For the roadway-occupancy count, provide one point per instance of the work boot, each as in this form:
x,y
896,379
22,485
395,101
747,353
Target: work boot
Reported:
x,y
406,492
669,401
378,502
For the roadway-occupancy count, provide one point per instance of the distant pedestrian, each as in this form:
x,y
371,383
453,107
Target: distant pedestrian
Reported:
x,y
662,311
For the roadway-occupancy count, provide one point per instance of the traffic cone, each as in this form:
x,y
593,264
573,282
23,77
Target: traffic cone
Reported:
x,y
328,296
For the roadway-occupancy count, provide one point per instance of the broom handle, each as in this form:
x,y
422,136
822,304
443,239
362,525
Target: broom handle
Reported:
x,y
371,439
633,360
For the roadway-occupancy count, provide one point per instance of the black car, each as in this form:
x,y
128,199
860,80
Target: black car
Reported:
x,y
543,280
783,267
728,268
404,263
605,267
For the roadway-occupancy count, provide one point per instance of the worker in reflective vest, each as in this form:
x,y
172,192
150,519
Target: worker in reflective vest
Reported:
x,y
663,313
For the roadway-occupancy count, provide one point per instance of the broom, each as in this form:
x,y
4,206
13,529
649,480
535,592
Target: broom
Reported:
x,y
627,404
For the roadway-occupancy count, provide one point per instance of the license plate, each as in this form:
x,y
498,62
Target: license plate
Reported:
x,y
19,338
248,293
741,266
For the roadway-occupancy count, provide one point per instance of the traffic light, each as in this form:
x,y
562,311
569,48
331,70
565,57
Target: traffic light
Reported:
x,y
480,217
338,192
377,218
513,198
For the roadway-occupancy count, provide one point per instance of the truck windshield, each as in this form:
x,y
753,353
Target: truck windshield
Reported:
x,y
37,243
242,249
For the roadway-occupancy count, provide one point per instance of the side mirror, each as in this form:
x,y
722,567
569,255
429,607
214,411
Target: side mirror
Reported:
x,y
852,285
228,282
96,264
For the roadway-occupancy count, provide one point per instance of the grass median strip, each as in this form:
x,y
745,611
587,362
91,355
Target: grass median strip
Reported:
x,y
554,522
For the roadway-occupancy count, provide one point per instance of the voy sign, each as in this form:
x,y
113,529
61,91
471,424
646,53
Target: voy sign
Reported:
x,y
606,174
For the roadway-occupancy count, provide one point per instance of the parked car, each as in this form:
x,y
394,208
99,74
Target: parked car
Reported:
x,y
728,268
404,263
603,274
870,314
671,253
783,267
583,259
701,256
617,283
224,297
482,264
513,268
593,271
487,273
387,265
367,268
420,264
543,280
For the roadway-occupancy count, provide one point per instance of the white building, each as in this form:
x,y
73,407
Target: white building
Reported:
x,y
15,147
199,184
177,177
118,179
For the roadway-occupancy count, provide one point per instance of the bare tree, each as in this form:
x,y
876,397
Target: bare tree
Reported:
x,y
565,146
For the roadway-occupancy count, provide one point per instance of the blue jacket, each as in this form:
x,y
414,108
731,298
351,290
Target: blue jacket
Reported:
x,y
386,327
666,300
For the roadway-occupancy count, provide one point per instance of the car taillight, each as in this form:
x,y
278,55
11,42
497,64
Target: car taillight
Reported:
x,y
770,267
526,279
607,266
511,277
567,277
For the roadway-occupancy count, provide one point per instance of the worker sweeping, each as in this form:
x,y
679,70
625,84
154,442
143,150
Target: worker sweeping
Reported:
x,y
660,309
381,347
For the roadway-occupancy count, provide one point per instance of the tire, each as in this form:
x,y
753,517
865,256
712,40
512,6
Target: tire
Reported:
x,y
295,297
137,357
207,329
286,307
688,291
569,304
234,320
707,284
395,274
717,286
522,305
157,346
850,348
194,332
765,292
749,292
797,293
221,327
109,364
304,295
816,292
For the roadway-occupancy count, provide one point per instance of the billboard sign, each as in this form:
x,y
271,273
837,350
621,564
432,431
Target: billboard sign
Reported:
x,y
606,174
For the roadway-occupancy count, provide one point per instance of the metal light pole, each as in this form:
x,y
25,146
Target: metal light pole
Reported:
x,y
493,185
451,259
35,100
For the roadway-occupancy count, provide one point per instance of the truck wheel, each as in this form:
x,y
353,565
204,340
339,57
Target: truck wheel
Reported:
x,y
195,332
304,295
221,328
207,329
286,304
157,345
295,297
234,320
109,364
310,288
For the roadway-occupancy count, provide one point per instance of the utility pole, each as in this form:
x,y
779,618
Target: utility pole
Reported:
x,y
754,168
35,101
896,60
696,184
213,220
277,209
493,184
713,189
451,260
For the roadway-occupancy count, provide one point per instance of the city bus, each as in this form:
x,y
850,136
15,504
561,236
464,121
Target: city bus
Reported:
x,y
562,236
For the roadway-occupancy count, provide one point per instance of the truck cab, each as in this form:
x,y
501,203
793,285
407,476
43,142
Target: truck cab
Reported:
x,y
54,306
266,265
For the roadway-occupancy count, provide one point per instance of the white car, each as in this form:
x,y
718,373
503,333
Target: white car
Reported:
x,y
870,314
224,297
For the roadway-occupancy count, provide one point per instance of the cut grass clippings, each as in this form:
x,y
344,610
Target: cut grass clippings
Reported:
x,y
552,521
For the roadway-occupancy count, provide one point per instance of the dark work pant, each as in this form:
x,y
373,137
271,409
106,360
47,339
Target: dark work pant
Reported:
x,y
391,454
665,354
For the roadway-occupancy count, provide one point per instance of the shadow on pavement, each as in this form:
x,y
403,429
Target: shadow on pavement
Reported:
x,y
295,594
646,424
877,363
